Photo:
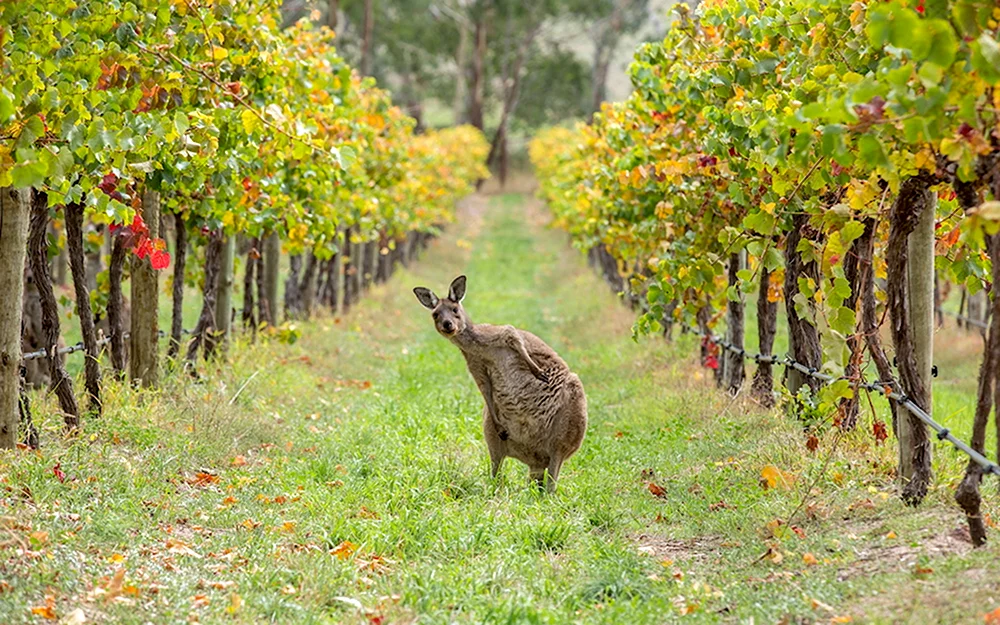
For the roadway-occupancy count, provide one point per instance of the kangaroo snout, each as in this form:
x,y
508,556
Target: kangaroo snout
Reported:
x,y
448,326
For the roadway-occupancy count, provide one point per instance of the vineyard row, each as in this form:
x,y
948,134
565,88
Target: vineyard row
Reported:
x,y
839,157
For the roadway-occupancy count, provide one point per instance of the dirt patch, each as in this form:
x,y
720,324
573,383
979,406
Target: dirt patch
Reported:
x,y
700,549
907,557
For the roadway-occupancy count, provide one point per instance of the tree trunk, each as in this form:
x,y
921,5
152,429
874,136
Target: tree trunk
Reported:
x,y
293,304
253,255
383,260
204,331
116,326
803,336
308,285
367,42
336,285
961,308
180,261
906,215
511,97
224,291
477,77
73,214
331,14
38,253
271,267
371,263
762,388
458,103
735,367
14,215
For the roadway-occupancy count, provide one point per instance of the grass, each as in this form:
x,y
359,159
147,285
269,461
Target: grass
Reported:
x,y
348,482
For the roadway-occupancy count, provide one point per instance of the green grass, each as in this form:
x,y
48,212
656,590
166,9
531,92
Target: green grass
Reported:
x,y
366,433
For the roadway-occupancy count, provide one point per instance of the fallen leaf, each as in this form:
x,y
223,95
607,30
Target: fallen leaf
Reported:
x,y
656,490
239,461
181,548
58,472
809,559
773,555
838,478
819,605
289,590
992,618
812,443
773,477
841,619
288,526
920,570
200,601
344,550
46,611
235,603
890,535
202,479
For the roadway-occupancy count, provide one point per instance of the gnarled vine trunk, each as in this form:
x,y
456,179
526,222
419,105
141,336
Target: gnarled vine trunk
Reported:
x,y
116,325
735,371
249,319
988,393
308,286
762,387
802,333
293,302
38,253
73,214
180,262
204,331
224,291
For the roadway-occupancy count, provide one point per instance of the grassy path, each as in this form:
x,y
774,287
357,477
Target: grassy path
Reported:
x,y
344,479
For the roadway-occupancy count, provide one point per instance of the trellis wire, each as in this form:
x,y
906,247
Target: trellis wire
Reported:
x,y
79,347
884,388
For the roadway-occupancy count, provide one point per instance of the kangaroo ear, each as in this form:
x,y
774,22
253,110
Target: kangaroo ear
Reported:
x,y
426,297
457,291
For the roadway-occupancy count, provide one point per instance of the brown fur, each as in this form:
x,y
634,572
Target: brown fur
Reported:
x,y
536,410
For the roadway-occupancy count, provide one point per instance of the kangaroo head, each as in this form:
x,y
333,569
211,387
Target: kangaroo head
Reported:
x,y
449,316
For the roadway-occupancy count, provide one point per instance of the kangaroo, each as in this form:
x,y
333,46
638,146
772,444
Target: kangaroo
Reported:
x,y
536,410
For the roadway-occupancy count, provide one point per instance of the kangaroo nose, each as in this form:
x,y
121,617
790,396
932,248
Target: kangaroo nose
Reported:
x,y
448,326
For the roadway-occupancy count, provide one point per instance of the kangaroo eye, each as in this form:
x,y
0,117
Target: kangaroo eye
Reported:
x,y
436,314
454,310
